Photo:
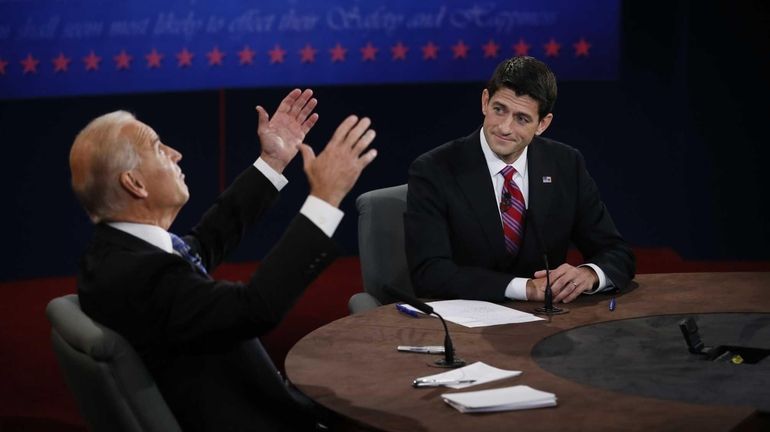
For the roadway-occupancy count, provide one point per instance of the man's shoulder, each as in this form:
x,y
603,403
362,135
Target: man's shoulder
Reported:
x,y
114,259
557,155
551,146
118,270
451,151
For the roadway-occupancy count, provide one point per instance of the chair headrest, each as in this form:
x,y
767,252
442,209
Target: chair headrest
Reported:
x,y
393,197
80,331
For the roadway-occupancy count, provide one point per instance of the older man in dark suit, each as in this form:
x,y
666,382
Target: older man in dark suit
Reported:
x,y
482,210
155,288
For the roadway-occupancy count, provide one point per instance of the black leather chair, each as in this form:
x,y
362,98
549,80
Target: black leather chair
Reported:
x,y
113,389
381,247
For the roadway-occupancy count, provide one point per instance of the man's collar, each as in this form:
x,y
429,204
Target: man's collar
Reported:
x,y
152,234
495,164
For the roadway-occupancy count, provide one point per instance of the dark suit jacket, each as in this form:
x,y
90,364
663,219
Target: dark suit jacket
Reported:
x,y
454,237
185,325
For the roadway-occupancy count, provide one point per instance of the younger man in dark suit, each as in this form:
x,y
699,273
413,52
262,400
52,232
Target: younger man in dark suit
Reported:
x,y
482,210
155,288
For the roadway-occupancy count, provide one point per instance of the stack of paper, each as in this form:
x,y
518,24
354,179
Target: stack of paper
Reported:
x,y
502,399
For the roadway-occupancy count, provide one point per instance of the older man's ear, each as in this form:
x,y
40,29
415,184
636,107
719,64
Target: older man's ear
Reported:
x,y
133,184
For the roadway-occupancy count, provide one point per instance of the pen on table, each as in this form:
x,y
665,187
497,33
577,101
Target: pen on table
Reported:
x,y
405,310
613,304
429,349
436,383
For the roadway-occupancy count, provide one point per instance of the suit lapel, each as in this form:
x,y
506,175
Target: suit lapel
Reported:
x,y
541,176
473,179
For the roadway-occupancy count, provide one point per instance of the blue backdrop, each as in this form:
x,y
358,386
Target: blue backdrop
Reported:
x,y
77,47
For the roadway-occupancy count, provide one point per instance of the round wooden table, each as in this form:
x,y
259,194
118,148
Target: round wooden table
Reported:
x,y
351,365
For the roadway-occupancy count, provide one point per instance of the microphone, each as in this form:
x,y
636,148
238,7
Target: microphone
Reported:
x,y
449,360
548,308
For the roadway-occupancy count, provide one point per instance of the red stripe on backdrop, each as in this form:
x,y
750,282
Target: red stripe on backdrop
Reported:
x,y
222,140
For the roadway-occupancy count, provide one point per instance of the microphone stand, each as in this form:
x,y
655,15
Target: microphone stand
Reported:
x,y
449,360
548,308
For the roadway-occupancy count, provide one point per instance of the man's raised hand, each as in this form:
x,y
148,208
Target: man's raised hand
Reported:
x,y
335,170
281,135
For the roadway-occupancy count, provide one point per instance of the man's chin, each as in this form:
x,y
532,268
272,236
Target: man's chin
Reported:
x,y
503,151
184,190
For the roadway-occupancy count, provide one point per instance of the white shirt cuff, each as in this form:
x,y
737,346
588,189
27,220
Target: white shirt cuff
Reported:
x,y
324,215
517,289
278,180
604,282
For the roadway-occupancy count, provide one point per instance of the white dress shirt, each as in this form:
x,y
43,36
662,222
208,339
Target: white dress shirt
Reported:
x,y
322,214
517,288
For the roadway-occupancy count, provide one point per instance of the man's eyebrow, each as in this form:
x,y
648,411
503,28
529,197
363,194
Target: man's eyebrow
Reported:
x,y
519,113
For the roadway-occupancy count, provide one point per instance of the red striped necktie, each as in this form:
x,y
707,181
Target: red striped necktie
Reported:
x,y
512,211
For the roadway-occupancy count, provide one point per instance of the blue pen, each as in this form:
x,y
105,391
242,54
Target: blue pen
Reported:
x,y
612,304
403,309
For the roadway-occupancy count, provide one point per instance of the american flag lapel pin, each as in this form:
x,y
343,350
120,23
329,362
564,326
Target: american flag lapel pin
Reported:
x,y
546,179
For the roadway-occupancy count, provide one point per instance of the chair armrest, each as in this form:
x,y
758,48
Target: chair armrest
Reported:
x,y
362,302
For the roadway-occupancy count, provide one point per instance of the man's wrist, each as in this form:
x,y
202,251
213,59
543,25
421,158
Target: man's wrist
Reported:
x,y
276,178
331,198
517,289
276,164
594,278
322,214
604,282
531,289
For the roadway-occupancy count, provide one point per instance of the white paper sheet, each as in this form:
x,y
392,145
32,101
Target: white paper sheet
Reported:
x,y
479,371
475,313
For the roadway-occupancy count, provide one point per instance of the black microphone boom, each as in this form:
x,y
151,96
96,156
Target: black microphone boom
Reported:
x,y
548,307
449,360
548,300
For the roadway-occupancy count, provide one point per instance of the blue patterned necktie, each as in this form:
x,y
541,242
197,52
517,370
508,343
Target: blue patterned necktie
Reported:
x,y
183,249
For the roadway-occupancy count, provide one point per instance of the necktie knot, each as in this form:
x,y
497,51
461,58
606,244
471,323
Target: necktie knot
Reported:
x,y
185,251
178,244
508,171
